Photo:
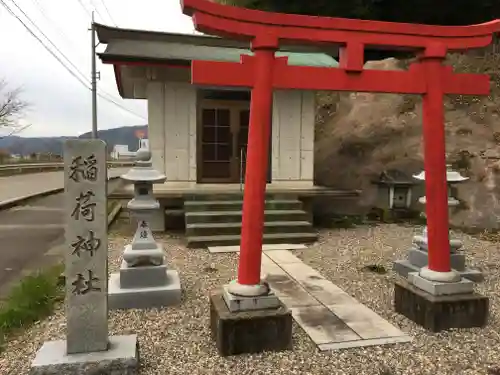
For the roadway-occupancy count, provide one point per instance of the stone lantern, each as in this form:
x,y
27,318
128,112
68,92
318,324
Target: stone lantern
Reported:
x,y
144,280
452,178
418,255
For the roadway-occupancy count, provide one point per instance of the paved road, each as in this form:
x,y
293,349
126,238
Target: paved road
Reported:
x,y
15,186
27,232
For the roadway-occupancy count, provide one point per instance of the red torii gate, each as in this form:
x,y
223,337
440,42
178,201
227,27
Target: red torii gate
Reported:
x,y
263,72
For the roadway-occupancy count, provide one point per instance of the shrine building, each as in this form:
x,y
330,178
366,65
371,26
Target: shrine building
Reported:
x,y
198,135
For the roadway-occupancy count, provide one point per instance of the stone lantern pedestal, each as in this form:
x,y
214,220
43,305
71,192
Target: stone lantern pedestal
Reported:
x,y
418,256
144,280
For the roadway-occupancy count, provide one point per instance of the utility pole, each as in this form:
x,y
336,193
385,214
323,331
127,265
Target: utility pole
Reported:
x,y
94,77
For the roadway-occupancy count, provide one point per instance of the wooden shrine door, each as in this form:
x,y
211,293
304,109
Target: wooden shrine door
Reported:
x,y
222,139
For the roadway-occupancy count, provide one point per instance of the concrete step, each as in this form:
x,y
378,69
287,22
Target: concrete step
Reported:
x,y
235,216
270,238
237,205
208,229
234,196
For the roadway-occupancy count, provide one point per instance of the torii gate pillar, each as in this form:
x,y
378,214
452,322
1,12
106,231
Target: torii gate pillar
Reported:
x,y
263,73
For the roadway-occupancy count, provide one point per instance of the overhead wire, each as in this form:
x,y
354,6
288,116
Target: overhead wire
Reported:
x,y
108,12
47,38
41,9
84,82
102,92
96,9
2,2
84,8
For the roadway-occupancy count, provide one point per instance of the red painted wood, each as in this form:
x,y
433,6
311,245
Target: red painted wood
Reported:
x,y
234,29
259,133
436,188
195,7
315,78
233,74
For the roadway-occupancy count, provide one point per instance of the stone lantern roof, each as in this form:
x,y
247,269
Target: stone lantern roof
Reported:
x,y
143,170
393,177
451,176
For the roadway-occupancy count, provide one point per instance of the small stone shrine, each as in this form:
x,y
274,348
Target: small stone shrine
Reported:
x,y
144,280
418,255
87,349
394,194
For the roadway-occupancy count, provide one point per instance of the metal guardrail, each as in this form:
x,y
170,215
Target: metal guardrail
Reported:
x,y
12,169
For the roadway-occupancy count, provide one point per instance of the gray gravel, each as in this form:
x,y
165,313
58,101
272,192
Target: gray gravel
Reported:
x,y
177,340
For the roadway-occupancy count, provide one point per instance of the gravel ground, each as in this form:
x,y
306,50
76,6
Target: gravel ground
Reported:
x,y
177,340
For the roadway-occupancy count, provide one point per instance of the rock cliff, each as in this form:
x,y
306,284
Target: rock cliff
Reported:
x,y
359,135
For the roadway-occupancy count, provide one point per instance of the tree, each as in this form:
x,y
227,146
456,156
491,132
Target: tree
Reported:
x,y
442,12
12,110
4,156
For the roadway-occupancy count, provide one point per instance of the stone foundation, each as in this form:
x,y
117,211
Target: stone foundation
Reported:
x,y
122,358
438,313
248,332
144,297
404,267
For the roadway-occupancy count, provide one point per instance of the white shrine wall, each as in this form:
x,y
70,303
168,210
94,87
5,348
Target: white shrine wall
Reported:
x,y
172,129
293,136
172,132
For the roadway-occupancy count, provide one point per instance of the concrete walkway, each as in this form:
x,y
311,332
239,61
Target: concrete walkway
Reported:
x,y
331,317
12,187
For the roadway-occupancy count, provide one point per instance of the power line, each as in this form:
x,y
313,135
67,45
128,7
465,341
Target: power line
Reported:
x,y
69,61
48,39
41,42
85,84
84,8
96,9
54,25
108,12
93,6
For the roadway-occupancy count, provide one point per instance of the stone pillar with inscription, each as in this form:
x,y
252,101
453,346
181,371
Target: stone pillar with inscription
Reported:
x,y
144,280
87,347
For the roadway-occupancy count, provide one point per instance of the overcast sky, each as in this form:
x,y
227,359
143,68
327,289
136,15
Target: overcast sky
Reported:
x,y
61,105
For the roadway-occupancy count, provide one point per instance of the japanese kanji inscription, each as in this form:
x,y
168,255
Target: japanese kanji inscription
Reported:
x,y
83,168
86,245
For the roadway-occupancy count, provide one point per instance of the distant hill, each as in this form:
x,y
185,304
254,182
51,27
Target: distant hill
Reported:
x,y
26,146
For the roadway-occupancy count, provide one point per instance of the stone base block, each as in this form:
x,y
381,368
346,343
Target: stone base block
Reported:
x,y
142,277
237,303
404,267
420,258
438,313
439,288
144,298
122,357
249,331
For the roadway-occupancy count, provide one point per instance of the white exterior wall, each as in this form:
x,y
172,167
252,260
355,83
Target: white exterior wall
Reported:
x,y
172,132
293,136
172,129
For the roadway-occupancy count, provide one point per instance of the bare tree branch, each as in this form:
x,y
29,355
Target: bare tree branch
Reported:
x,y
17,129
12,109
